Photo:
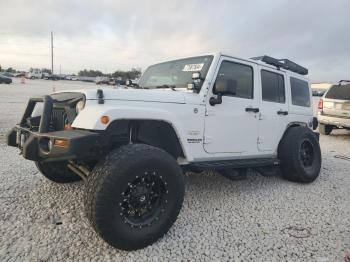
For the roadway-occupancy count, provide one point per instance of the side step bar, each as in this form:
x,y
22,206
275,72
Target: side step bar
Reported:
x,y
236,163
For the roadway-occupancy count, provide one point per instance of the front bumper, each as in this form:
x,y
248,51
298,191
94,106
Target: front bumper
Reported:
x,y
34,146
39,145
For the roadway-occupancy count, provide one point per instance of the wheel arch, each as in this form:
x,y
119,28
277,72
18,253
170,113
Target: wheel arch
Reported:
x,y
158,133
288,127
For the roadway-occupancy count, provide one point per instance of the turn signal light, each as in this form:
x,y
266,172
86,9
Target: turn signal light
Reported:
x,y
61,143
104,120
320,104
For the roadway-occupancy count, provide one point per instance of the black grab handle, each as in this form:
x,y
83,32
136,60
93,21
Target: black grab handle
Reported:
x,y
252,109
281,112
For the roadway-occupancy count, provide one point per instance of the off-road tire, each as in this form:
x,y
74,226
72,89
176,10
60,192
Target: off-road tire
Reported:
x,y
57,172
106,193
295,165
325,129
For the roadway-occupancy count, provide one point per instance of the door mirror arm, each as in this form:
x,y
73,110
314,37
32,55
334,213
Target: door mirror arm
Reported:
x,y
215,100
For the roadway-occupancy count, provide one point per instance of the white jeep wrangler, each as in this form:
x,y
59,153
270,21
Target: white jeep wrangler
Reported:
x,y
132,146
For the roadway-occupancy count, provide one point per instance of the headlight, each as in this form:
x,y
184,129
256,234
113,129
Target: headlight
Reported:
x,y
79,106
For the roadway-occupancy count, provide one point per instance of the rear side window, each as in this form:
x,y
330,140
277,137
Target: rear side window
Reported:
x,y
339,92
272,86
300,92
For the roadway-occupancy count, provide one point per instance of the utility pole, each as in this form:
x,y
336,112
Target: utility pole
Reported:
x,y
53,85
60,70
51,53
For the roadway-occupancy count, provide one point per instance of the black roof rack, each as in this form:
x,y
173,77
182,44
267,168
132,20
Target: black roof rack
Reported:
x,y
283,63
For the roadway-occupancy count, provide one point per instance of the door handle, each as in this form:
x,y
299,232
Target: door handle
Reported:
x,y
283,113
252,109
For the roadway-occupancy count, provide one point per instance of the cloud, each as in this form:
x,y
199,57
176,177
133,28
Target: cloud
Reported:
x,y
110,35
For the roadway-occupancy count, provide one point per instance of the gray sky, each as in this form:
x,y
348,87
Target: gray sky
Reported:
x,y
111,35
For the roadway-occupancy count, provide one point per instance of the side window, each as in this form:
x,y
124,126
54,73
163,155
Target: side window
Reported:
x,y
272,86
300,92
234,79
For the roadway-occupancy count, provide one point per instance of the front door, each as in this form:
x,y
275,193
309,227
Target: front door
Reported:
x,y
273,115
232,125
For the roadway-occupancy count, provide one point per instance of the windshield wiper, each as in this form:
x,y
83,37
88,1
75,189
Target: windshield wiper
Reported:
x,y
172,87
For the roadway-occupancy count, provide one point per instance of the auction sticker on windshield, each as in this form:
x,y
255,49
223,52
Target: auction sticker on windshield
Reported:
x,y
193,67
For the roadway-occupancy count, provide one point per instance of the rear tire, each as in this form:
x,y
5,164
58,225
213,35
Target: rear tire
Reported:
x,y
57,172
325,129
134,196
300,155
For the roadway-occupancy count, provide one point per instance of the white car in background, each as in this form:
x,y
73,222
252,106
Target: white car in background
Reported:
x,y
34,74
334,108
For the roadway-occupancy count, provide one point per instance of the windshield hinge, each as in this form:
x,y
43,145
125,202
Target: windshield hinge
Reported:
x,y
100,96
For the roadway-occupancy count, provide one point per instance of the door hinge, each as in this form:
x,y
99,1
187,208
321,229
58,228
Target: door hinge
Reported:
x,y
207,140
259,141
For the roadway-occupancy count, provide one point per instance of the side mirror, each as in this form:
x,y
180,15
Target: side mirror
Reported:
x,y
215,100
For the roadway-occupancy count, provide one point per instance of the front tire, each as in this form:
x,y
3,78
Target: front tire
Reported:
x,y
134,195
325,129
57,172
300,155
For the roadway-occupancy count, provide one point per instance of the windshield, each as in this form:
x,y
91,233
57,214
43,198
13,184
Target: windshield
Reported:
x,y
176,74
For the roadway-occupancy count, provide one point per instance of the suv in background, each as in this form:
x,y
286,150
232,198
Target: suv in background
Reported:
x,y
334,108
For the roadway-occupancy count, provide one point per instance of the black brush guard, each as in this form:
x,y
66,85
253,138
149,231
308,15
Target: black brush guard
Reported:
x,y
82,144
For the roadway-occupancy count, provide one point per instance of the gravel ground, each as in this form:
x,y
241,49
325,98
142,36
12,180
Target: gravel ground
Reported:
x,y
258,219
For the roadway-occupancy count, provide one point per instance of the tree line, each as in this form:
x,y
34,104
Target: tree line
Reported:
x,y
130,74
134,73
13,71
8,70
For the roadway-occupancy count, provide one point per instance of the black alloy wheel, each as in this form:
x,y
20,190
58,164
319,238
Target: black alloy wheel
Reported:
x,y
144,200
306,153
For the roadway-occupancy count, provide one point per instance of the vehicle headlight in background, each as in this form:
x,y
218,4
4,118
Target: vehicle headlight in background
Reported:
x,y
79,106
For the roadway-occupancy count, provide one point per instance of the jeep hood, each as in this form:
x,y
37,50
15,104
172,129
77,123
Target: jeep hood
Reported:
x,y
143,95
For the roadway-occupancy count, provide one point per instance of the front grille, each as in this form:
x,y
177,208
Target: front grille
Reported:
x,y
58,110
58,119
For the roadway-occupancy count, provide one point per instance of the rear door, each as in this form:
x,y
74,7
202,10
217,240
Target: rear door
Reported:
x,y
273,115
337,101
